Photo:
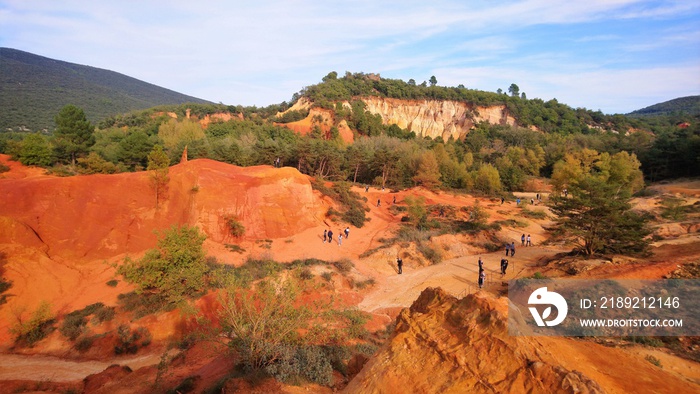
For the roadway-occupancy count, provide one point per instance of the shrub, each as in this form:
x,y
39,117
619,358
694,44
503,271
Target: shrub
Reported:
x,y
306,274
235,228
344,266
112,283
365,283
328,276
39,325
175,269
653,360
128,341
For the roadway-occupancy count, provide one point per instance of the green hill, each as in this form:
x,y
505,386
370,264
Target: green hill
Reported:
x,y
34,88
689,105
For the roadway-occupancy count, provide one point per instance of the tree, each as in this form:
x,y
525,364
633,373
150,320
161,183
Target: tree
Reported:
x,y
428,171
597,215
74,135
175,269
35,150
417,212
158,164
433,81
514,90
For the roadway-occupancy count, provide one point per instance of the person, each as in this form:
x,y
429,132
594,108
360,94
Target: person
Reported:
x,y
366,188
517,202
504,266
340,239
481,264
347,232
330,236
507,248
394,201
379,202
399,264
528,240
522,240
503,199
325,235
532,201
512,249
482,278
277,162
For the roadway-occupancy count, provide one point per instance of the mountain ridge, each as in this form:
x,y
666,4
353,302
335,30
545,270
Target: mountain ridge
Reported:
x,y
34,88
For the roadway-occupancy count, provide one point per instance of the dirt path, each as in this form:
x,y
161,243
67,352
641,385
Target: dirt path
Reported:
x,y
54,369
457,276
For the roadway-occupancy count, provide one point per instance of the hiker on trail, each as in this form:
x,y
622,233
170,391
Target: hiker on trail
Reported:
x,y
347,232
399,263
532,201
528,240
340,239
522,240
503,199
366,188
566,192
325,235
330,236
517,202
504,266
277,162
394,201
481,263
507,248
379,202
512,249
482,278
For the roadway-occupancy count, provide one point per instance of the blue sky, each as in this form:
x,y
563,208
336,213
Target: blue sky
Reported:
x,y
612,55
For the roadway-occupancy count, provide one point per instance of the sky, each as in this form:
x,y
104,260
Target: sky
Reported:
x,y
610,55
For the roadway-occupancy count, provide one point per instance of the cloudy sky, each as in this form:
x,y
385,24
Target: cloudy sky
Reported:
x,y
612,55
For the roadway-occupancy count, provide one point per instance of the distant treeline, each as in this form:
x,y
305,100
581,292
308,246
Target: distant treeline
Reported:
x,y
490,159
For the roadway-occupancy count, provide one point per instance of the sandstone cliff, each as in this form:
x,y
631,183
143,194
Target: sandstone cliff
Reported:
x,y
436,118
445,345
427,118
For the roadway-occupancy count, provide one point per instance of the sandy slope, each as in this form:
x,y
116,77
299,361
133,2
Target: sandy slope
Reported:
x,y
72,283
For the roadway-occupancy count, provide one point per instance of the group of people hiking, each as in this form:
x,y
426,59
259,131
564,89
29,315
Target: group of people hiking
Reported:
x,y
328,235
538,198
482,272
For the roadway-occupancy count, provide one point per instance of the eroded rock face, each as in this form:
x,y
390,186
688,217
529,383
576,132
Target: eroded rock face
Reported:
x,y
436,118
445,345
97,216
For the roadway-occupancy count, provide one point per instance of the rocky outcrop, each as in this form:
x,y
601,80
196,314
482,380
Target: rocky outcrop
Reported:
x,y
445,345
436,118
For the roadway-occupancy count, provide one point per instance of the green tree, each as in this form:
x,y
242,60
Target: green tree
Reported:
x,y
487,179
74,135
158,165
433,81
428,171
417,212
175,269
597,215
35,150
514,90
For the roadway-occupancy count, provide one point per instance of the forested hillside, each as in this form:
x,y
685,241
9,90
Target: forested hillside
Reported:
x,y
491,158
681,106
34,88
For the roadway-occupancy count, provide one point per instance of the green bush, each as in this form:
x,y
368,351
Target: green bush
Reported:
x,y
235,228
112,283
40,324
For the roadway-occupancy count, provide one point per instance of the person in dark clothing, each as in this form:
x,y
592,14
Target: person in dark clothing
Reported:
x,y
399,264
522,240
330,236
512,249
481,264
394,201
507,248
366,188
503,199
504,266
379,202
347,232
482,278
325,235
